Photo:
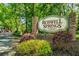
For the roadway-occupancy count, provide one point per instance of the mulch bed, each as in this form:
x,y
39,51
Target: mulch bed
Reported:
x,y
72,50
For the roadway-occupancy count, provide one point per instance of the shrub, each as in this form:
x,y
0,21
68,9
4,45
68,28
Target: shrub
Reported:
x,y
26,36
34,47
61,39
17,33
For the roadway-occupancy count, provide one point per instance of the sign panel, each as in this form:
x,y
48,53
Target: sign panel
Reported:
x,y
53,24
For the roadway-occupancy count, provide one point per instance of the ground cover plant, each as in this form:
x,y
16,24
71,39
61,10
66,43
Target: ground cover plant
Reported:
x,y
63,43
26,36
34,48
61,39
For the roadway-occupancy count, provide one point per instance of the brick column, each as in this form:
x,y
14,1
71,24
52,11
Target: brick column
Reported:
x,y
72,24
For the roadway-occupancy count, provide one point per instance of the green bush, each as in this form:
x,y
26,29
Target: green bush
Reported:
x,y
77,36
34,47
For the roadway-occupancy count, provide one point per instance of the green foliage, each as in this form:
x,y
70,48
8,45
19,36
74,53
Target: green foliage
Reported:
x,y
77,36
43,10
11,13
34,47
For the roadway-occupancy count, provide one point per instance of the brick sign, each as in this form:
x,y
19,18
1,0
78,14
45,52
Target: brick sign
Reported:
x,y
53,24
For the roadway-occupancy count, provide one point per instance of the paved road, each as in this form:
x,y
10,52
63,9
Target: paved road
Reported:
x,y
6,40
5,34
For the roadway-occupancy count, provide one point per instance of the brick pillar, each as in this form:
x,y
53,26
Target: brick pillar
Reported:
x,y
72,24
34,25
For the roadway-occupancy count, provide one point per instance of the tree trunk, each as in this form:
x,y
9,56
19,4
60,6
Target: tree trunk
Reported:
x,y
34,25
